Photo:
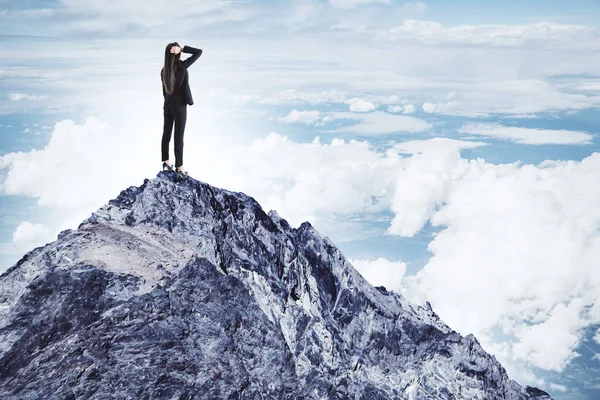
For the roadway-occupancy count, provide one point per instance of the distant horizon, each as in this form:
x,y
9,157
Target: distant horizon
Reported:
x,y
451,152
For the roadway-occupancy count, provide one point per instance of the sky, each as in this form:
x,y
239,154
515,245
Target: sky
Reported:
x,y
451,151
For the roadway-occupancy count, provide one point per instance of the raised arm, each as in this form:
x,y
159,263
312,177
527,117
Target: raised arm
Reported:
x,y
195,54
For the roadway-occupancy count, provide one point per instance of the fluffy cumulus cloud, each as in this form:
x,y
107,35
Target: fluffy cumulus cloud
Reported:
x,y
59,174
527,135
312,179
516,257
557,349
409,109
429,107
305,117
315,179
25,237
395,109
360,105
451,108
28,232
422,185
381,272
597,336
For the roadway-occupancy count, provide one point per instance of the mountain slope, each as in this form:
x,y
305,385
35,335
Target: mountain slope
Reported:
x,y
183,290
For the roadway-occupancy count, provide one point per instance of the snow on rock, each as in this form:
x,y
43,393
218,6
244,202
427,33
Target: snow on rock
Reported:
x,y
183,290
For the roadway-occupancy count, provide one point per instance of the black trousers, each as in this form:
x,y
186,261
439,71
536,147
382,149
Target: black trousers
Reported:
x,y
177,115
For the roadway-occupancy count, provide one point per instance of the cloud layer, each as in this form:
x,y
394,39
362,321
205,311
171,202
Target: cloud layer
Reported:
x,y
381,272
538,33
516,252
527,135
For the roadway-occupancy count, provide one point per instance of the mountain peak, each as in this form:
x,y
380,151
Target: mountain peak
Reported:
x,y
182,289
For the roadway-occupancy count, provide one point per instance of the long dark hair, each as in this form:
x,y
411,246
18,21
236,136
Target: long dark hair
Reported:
x,y
168,71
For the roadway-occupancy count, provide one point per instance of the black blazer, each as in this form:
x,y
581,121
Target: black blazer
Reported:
x,y
182,94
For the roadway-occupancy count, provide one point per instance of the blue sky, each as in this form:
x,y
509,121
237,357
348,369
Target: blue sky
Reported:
x,y
450,151
514,11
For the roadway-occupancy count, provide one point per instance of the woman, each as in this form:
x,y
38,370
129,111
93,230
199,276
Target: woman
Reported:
x,y
177,94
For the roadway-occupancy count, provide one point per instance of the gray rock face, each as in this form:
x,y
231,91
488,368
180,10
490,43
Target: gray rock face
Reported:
x,y
186,291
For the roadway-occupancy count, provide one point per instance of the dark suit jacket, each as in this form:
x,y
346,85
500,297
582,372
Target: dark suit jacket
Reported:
x,y
182,94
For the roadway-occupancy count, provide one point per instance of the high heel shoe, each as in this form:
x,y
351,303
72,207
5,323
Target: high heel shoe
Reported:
x,y
167,167
180,174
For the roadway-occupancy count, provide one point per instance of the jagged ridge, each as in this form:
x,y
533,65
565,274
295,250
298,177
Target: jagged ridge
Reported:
x,y
183,290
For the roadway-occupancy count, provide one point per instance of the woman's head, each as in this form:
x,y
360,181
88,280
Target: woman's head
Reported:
x,y
170,57
171,61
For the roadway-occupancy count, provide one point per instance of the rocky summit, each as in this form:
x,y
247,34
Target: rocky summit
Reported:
x,y
181,290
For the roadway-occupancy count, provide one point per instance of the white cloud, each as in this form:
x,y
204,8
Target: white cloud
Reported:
x,y
528,116
419,146
306,117
597,336
538,33
556,350
395,109
516,244
312,98
381,272
25,96
34,13
360,105
409,109
106,14
77,168
312,180
380,122
368,101
383,99
348,4
28,232
527,135
558,388
422,184
451,108
429,107
493,82
593,86
26,237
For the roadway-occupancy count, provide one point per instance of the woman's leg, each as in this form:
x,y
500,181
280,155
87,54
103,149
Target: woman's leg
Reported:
x,y
169,117
180,119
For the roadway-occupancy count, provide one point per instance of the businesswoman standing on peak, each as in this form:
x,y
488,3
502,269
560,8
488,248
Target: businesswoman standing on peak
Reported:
x,y
177,94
